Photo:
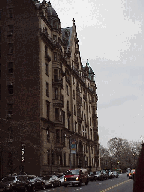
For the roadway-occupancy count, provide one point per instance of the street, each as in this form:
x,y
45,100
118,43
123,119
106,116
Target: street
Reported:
x,y
120,184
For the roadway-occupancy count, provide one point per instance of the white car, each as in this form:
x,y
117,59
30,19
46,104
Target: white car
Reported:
x,y
61,179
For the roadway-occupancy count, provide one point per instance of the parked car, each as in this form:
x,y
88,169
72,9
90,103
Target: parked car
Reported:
x,y
51,181
76,176
35,183
110,174
128,171
131,173
115,173
91,176
104,174
14,183
61,179
98,176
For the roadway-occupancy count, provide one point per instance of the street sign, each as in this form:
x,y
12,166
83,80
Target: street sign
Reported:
x,y
73,146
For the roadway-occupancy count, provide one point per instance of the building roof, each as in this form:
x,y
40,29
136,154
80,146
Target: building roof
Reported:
x,y
50,10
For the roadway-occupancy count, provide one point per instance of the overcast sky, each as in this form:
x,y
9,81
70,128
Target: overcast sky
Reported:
x,y
111,37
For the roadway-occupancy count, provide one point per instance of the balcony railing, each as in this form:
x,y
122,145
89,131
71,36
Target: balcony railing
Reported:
x,y
58,82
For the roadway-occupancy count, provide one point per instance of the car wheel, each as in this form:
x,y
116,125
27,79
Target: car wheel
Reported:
x,y
80,183
86,183
65,185
33,189
59,184
43,186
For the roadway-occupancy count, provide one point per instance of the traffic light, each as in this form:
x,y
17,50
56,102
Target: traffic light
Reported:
x,y
23,152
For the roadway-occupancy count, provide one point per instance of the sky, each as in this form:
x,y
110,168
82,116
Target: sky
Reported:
x,y
111,37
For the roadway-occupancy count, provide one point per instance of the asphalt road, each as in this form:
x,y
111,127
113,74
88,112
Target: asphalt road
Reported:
x,y
121,184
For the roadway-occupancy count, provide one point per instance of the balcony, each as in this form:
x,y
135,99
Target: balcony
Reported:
x,y
58,82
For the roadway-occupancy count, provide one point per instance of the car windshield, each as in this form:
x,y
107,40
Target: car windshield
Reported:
x,y
97,172
5,179
31,177
72,172
47,177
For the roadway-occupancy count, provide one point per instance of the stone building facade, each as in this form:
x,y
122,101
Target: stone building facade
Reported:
x,y
48,98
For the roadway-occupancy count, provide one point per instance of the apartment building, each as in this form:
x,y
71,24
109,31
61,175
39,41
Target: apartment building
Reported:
x,y
48,100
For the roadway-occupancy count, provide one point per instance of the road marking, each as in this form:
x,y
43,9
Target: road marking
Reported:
x,y
115,186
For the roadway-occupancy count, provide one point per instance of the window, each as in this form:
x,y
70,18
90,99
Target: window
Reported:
x,y
10,30
48,157
48,134
10,109
89,109
55,56
47,109
69,123
10,48
64,159
57,136
74,110
56,93
46,69
91,133
90,121
73,80
57,114
55,75
75,126
73,94
47,89
67,89
10,89
84,104
67,105
10,67
10,13
52,158
46,50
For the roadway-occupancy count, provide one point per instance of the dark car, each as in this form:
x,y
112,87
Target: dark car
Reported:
x,y
51,181
14,183
115,173
35,183
91,176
